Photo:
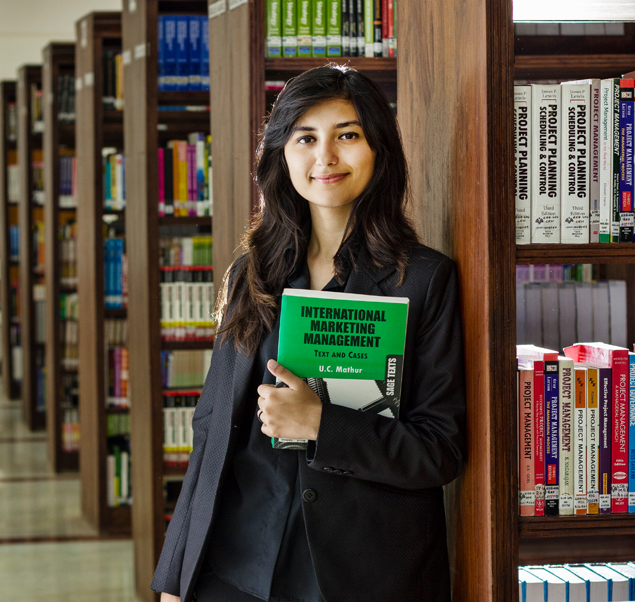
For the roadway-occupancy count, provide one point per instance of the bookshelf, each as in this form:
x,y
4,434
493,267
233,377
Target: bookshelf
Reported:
x,y
9,269
59,140
96,128
31,217
146,129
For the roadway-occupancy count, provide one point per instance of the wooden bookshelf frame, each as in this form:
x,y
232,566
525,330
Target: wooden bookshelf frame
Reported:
x,y
8,214
58,59
95,129
28,141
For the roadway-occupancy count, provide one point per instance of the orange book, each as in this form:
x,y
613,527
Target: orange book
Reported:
x,y
182,155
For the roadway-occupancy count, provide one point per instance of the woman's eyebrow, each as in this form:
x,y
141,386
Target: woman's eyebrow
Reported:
x,y
337,126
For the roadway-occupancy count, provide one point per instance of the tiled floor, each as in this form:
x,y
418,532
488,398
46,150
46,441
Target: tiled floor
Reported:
x,y
38,507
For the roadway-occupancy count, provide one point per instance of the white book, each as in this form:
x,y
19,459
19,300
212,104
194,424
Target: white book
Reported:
x,y
626,569
520,314
522,153
566,386
567,302
597,586
533,312
575,153
555,588
584,311
576,590
601,325
593,440
618,583
580,440
606,159
550,315
545,165
532,588
617,312
110,486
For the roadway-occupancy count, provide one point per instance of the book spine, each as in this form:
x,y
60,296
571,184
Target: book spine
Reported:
x,y
631,432
168,158
273,42
545,166
580,442
204,53
361,23
352,16
594,165
627,216
539,436
606,154
194,47
593,434
201,171
522,151
377,27
369,29
526,474
552,492
615,223
289,28
575,153
346,29
183,183
318,26
161,177
565,435
619,448
182,54
391,28
384,28
605,424
304,28
334,28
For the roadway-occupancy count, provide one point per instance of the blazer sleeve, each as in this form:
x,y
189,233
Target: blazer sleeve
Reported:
x,y
425,446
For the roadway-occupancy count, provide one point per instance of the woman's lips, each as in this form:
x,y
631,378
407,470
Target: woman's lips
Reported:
x,y
330,179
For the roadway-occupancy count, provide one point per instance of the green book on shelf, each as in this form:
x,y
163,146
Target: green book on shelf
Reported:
x,y
318,28
348,347
334,28
273,42
304,27
289,28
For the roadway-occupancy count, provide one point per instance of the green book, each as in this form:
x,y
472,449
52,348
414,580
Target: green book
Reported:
x,y
304,27
318,26
334,28
369,28
289,28
273,43
349,348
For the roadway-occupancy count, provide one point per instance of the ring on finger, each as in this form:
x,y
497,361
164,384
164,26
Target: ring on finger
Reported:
x,y
259,418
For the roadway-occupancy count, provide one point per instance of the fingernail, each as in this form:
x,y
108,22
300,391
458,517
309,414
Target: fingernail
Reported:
x,y
274,364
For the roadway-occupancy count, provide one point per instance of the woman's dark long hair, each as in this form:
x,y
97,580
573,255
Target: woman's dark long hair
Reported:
x,y
377,224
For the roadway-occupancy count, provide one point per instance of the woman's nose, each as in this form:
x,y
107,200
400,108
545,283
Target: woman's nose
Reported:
x,y
326,154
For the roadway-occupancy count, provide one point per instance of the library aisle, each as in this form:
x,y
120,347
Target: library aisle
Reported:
x,y
47,550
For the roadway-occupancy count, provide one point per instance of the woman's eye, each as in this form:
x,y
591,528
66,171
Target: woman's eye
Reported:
x,y
349,136
305,139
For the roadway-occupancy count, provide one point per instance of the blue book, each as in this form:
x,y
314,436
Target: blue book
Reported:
x,y
627,123
118,272
194,44
552,443
169,53
631,432
107,183
182,53
160,52
204,53
108,273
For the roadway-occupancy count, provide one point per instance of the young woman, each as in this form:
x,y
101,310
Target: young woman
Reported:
x,y
358,516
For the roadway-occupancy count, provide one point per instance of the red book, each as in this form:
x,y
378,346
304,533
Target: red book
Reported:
x,y
384,27
539,436
391,27
615,358
526,444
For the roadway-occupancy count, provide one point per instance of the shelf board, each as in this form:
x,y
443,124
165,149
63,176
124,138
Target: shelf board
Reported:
x,y
190,220
591,253
575,526
115,313
117,411
296,65
69,370
187,345
189,97
174,471
573,66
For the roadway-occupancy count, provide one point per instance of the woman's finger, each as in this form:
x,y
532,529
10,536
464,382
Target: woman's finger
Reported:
x,y
286,376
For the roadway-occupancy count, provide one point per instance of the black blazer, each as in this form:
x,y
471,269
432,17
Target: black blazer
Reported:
x,y
376,533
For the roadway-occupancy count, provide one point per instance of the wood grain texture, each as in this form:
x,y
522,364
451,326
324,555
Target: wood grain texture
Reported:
x,y
454,79
11,387
58,59
591,253
27,143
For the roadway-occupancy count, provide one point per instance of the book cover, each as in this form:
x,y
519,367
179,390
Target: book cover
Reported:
x,y
161,178
182,54
526,438
594,167
545,165
273,39
346,29
304,27
392,47
593,441
384,28
161,51
334,28
539,436
361,28
369,28
194,51
318,27
169,53
580,441
565,435
616,201
289,28
352,28
522,153
349,348
605,416
627,123
204,52
575,153
631,432
377,28
552,445
606,159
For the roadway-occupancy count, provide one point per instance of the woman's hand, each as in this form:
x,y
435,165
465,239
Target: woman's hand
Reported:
x,y
169,598
292,413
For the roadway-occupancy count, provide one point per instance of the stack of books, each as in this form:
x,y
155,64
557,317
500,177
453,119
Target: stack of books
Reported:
x,y
184,368
178,410
116,337
115,274
114,172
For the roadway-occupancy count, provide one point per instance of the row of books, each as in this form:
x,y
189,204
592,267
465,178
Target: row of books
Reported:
x,y
70,344
557,314
66,98
597,582
184,368
68,254
185,176
178,410
70,430
115,274
68,180
185,250
37,177
183,52
118,378
69,306
576,451
331,28
114,173
38,247
14,243
118,425
187,304
116,332
572,272
113,79
118,482
574,161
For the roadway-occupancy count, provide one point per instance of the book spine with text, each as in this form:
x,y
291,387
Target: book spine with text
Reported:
x,y
346,29
160,51
304,27
273,39
526,490
204,52
606,158
361,25
334,28
605,395
289,28
580,441
318,28
593,438
565,435
539,436
575,153
631,432
627,123
615,224
619,448
369,28
545,165
352,16
522,151
552,491
594,165
391,28
194,47
377,28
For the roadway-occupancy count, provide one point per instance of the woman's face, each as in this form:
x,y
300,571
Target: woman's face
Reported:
x,y
329,159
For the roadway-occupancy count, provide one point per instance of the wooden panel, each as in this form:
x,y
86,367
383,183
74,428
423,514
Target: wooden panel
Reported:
x,y
11,387
454,80
572,66
580,10
591,253
599,547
